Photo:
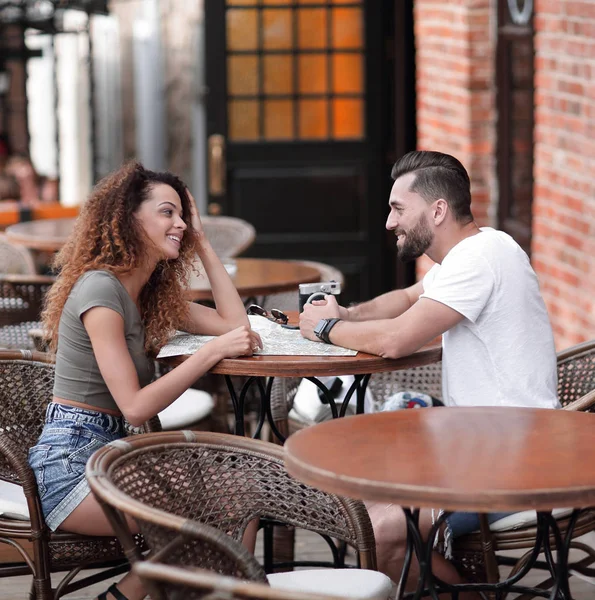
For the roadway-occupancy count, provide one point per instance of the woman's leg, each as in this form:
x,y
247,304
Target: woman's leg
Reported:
x,y
88,518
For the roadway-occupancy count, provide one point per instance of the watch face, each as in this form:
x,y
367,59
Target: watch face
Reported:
x,y
319,327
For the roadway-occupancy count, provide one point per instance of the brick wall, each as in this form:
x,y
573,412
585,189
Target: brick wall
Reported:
x,y
455,47
564,190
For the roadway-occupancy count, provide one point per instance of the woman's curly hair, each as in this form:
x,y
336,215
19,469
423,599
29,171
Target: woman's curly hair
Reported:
x,y
107,236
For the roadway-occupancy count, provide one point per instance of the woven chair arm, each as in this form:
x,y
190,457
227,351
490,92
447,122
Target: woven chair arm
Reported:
x,y
13,454
582,404
360,519
27,279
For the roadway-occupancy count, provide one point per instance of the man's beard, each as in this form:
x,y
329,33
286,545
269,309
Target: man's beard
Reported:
x,y
417,240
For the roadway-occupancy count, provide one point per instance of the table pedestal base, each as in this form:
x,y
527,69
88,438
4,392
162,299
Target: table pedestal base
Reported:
x,y
265,386
430,585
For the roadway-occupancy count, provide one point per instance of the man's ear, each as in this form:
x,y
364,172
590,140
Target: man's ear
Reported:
x,y
440,211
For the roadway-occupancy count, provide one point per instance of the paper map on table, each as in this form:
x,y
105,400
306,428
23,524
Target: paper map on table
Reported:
x,y
277,341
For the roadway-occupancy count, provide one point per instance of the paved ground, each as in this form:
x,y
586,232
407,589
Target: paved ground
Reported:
x,y
307,545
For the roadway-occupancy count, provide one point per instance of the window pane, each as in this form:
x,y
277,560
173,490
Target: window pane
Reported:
x,y
278,74
276,29
243,119
278,119
312,73
348,118
347,73
312,28
347,28
242,75
242,32
313,119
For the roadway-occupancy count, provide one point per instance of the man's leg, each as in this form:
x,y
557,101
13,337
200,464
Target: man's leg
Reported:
x,y
390,531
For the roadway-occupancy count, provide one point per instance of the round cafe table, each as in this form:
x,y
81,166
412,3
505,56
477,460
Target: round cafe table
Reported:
x,y
262,371
48,235
259,277
480,459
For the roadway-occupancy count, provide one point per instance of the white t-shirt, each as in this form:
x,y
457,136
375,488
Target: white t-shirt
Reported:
x,y
502,353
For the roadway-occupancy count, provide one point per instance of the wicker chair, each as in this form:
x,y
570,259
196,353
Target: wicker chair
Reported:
x,y
176,583
15,260
477,555
21,301
171,480
229,236
26,386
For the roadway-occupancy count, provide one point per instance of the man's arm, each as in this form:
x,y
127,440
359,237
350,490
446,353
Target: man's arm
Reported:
x,y
389,338
387,306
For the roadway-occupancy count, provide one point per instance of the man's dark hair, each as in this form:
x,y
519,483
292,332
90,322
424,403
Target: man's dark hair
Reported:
x,y
437,176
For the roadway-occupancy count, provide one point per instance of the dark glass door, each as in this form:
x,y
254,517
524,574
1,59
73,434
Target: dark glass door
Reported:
x,y
299,131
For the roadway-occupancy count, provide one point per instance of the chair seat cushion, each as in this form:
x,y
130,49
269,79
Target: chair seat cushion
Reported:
x,y
192,406
362,584
13,504
526,518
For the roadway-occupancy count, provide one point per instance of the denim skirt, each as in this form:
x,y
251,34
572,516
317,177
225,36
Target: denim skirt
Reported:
x,y
69,437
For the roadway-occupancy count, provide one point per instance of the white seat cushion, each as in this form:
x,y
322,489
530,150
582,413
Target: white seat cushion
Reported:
x,y
525,518
189,408
13,504
362,584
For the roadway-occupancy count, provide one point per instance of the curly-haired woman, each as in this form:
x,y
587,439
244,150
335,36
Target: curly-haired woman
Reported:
x,y
116,301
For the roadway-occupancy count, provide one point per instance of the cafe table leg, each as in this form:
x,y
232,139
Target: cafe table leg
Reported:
x,y
547,528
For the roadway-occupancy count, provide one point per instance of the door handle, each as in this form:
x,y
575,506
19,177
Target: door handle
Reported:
x,y
217,167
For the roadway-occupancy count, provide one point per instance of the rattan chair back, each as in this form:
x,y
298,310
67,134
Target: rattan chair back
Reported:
x,y
15,260
229,236
26,388
172,479
576,373
175,583
22,296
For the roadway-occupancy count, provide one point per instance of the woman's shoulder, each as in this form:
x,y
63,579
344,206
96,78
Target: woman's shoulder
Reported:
x,y
96,284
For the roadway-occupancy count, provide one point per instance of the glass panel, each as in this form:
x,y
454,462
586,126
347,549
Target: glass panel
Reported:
x,y
278,120
277,2
242,31
347,73
313,73
312,28
241,2
348,118
243,119
242,75
347,28
276,29
278,75
313,119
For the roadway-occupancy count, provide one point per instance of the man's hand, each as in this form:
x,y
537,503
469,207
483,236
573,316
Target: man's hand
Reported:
x,y
319,309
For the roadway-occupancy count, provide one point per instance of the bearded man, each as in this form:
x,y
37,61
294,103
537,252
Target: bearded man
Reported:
x,y
482,296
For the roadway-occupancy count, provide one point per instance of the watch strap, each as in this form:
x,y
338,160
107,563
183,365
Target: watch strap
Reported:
x,y
326,329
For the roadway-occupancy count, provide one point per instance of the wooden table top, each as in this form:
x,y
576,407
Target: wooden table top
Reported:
x,y
471,459
321,366
260,277
48,234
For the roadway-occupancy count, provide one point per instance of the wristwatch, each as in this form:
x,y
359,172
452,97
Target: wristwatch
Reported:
x,y
323,329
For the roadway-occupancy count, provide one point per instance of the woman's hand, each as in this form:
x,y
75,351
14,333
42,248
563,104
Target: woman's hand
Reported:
x,y
194,216
241,341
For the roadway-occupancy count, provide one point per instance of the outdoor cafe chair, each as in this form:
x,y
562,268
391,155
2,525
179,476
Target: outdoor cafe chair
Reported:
x,y
21,301
170,481
176,583
26,387
229,236
15,260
